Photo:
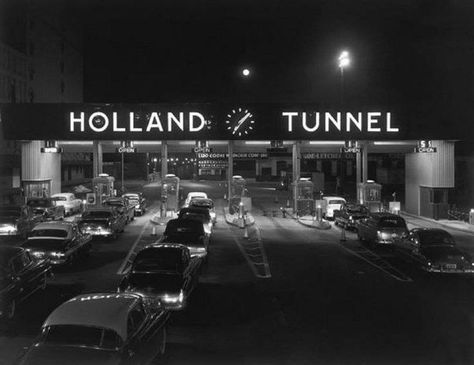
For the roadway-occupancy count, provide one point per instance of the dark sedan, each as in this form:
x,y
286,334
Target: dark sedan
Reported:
x,y
163,271
349,214
435,251
123,207
205,203
21,275
59,242
136,200
382,229
48,208
103,328
197,213
106,222
189,232
17,221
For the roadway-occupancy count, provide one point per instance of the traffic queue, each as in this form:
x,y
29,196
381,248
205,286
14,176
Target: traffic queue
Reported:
x,y
109,327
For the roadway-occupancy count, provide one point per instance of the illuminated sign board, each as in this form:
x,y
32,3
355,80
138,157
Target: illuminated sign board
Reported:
x,y
51,150
425,146
207,121
326,156
126,149
204,149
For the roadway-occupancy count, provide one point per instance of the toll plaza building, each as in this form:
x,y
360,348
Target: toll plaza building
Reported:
x,y
269,142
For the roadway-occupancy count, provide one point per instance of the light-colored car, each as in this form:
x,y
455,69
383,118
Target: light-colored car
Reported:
x,y
101,328
69,201
332,203
194,195
59,242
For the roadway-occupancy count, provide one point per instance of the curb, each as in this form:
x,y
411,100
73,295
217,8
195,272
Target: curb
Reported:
x,y
465,230
233,219
323,225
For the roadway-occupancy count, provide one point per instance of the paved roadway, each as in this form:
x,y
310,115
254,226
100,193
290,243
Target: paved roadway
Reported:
x,y
300,296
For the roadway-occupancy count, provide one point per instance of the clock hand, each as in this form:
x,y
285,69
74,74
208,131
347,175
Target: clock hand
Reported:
x,y
240,122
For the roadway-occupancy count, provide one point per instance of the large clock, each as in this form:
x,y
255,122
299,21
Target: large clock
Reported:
x,y
240,122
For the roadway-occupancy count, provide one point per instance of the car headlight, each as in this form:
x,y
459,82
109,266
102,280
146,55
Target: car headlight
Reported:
x,y
170,298
10,229
57,254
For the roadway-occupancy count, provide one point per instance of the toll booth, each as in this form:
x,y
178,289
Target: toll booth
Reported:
x,y
304,196
103,186
369,194
170,192
238,194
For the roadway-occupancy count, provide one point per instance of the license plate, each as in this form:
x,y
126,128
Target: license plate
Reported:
x,y
450,266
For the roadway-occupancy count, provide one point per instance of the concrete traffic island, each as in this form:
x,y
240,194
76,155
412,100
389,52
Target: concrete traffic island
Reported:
x,y
309,221
235,220
159,218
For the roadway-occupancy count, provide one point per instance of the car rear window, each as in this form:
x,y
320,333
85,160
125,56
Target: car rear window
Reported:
x,y
336,201
81,336
435,238
60,198
61,233
389,222
96,214
40,203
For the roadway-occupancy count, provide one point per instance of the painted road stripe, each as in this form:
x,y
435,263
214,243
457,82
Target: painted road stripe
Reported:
x,y
128,259
388,269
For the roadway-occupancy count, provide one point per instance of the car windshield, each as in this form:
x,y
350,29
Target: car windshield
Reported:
x,y
96,214
60,198
48,232
161,260
40,203
389,222
114,202
336,201
81,336
433,238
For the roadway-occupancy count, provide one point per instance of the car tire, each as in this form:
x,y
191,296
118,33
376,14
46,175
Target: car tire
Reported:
x,y
10,310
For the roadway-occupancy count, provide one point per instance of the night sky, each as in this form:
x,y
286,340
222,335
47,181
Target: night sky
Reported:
x,y
407,55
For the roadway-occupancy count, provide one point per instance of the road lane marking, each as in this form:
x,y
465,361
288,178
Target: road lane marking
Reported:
x,y
383,265
128,259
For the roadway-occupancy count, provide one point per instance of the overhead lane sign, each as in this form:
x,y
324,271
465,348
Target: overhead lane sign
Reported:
x,y
188,121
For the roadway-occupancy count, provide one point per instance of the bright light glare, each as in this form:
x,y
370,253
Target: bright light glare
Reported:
x,y
344,59
327,142
246,72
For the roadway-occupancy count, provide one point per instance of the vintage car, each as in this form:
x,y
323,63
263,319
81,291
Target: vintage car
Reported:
x,y
136,200
435,250
163,271
17,221
123,207
381,229
205,203
102,328
59,242
349,214
46,207
194,195
102,221
21,275
332,203
201,214
69,201
189,232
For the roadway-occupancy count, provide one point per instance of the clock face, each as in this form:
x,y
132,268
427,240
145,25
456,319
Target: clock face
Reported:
x,y
240,122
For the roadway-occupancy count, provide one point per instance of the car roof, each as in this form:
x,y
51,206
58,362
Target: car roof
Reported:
x,y
98,209
55,225
202,201
385,215
131,194
422,229
61,194
158,246
104,310
199,210
334,197
195,193
189,224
